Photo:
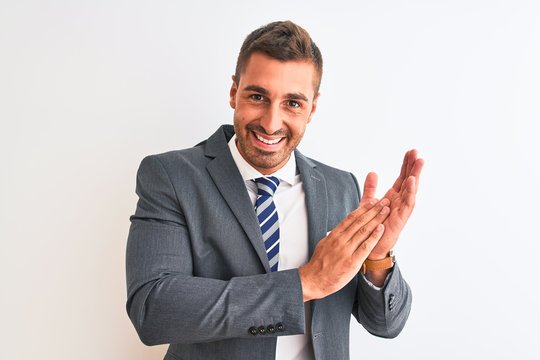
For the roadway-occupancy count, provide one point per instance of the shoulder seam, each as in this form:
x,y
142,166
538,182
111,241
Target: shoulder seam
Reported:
x,y
168,177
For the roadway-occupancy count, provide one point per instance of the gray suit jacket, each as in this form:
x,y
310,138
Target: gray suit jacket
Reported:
x,y
197,271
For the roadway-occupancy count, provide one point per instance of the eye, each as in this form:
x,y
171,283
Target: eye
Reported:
x,y
294,104
256,97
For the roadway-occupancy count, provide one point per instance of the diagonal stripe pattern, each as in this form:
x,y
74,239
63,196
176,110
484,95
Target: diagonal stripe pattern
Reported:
x,y
268,217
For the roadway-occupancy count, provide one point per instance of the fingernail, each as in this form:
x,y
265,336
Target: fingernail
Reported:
x,y
380,227
385,210
385,202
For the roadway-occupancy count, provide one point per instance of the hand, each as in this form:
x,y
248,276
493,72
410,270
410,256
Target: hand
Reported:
x,y
339,256
402,196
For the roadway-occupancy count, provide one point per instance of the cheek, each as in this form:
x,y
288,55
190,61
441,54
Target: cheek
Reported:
x,y
249,113
300,133
297,127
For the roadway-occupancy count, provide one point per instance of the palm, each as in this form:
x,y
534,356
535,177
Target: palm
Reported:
x,y
402,197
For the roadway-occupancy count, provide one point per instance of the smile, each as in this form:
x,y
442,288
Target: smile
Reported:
x,y
268,141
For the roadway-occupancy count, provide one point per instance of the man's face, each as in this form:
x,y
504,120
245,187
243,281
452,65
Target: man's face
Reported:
x,y
273,102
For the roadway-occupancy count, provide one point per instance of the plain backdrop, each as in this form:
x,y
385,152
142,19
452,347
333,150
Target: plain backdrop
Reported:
x,y
88,88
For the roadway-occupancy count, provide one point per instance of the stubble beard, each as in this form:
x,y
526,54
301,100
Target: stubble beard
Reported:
x,y
260,158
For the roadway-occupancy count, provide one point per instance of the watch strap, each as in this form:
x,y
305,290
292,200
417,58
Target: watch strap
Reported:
x,y
382,264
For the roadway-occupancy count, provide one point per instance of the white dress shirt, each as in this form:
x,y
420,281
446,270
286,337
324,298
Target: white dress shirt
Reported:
x,y
290,201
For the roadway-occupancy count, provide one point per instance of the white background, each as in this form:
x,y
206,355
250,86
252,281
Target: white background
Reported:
x,y
87,89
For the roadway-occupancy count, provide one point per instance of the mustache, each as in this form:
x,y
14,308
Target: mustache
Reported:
x,y
260,129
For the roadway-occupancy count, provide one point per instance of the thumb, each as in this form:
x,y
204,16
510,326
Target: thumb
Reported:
x,y
370,187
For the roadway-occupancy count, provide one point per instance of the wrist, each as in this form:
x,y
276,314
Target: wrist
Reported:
x,y
308,291
377,277
378,255
373,256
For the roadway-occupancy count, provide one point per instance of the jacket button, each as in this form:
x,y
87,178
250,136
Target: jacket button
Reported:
x,y
253,330
271,329
262,330
280,327
391,301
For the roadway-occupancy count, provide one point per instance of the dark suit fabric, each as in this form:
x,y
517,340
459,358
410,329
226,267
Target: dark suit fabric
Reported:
x,y
197,272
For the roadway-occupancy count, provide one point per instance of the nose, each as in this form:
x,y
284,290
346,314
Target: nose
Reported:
x,y
272,120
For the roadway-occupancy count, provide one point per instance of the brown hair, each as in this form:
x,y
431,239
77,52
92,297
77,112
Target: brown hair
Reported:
x,y
284,41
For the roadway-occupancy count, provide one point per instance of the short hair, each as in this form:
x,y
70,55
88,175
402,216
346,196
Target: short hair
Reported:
x,y
284,41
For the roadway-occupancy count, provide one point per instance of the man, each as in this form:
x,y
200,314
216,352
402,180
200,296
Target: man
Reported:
x,y
243,248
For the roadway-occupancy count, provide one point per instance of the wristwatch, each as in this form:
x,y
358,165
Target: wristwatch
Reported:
x,y
383,264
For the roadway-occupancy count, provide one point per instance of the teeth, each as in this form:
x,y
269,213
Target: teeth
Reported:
x,y
269,142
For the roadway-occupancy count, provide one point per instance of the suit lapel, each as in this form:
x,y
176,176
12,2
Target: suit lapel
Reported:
x,y
317,209
230,184
316,199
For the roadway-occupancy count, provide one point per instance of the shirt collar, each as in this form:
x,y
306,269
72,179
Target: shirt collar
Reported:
x,y
286,173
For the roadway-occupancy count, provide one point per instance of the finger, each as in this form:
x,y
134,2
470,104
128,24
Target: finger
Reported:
x,y
366,204
413,154
370,186
355,219
364,249
404,165
363,231
409,193
403,173
408,168
359,231
417,170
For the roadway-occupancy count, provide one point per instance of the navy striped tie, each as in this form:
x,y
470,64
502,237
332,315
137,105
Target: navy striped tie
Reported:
x,y
268,217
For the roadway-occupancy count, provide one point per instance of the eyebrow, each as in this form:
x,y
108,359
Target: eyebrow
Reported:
x,y
257,89
263,91
297,96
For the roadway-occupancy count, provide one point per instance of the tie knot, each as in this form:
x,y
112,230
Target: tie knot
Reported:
x,y
266,186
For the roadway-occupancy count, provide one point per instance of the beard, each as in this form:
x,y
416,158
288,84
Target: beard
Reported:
x,y
262,159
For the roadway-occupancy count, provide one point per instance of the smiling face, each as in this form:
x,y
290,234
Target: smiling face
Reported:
x,y
273,102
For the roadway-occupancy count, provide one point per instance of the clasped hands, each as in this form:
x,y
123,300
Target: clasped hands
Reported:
x,y
368,232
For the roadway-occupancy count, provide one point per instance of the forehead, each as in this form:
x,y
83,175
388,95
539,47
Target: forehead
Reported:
x,y
279,76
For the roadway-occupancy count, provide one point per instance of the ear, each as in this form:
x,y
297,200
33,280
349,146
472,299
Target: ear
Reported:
x,y
232,93
313,106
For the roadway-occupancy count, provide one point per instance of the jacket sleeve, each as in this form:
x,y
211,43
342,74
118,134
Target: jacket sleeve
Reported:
x,y
383,312
168,304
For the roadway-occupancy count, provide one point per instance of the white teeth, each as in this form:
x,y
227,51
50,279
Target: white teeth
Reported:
x,y
269,142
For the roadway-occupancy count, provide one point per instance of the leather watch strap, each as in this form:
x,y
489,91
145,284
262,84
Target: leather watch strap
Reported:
x,y
382,264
